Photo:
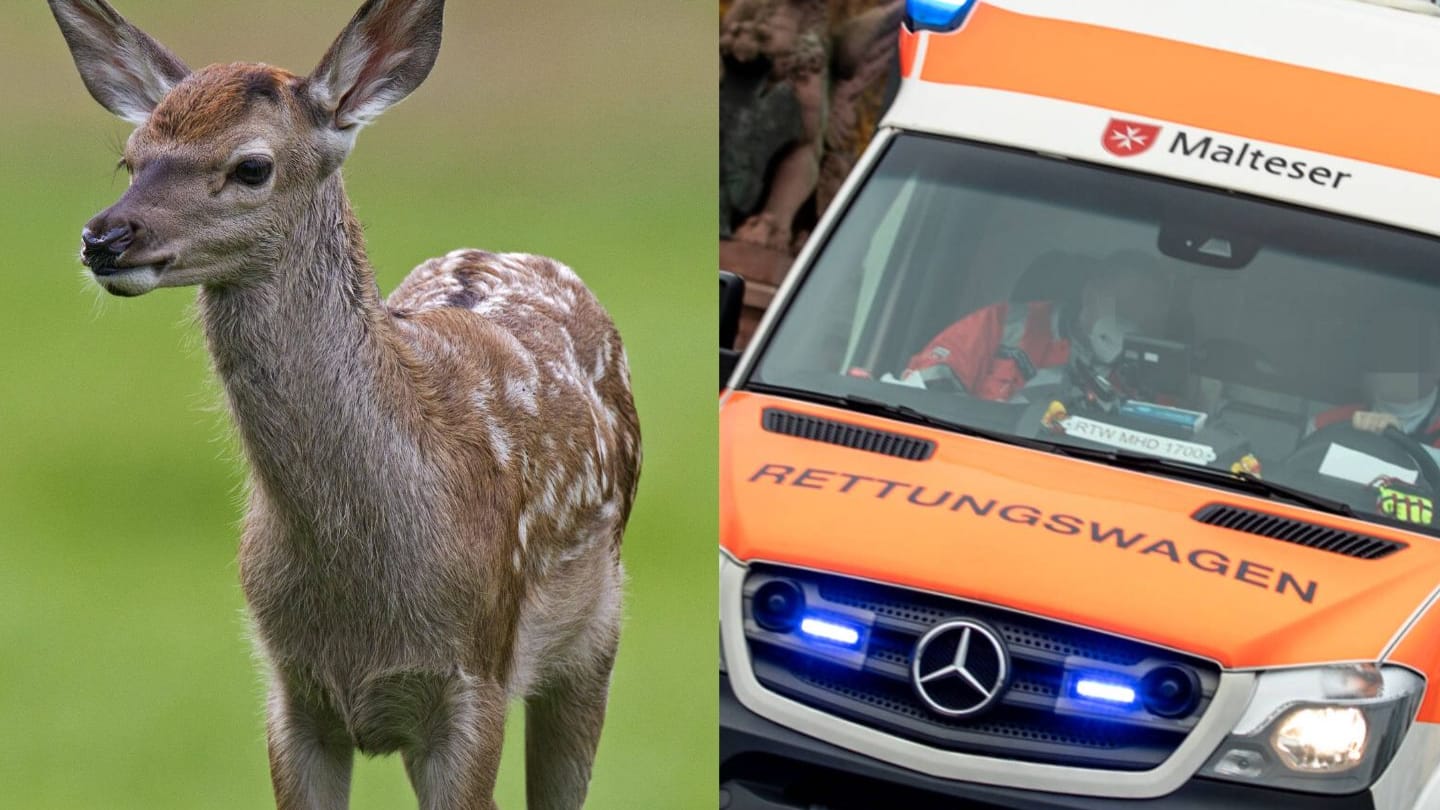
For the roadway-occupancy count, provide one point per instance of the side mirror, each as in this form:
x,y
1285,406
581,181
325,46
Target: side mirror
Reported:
x,y
732,301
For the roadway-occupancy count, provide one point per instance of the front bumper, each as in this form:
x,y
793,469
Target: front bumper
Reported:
x,y
912,757
766,766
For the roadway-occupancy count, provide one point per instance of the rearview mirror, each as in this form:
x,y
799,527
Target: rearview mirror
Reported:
x,y
1211,244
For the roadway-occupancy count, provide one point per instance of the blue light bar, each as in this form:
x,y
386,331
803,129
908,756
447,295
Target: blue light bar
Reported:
x,y
1105,691
937,15
834,632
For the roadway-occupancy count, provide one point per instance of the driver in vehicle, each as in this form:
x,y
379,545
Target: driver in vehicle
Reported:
x,y
996,352
1402,378
1401,387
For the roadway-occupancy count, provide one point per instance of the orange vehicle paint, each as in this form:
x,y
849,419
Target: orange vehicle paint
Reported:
x,y
1187,84
1420,650
909,40
1275,604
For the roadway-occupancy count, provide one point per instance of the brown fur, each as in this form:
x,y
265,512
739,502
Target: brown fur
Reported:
x,y
439,483
212,102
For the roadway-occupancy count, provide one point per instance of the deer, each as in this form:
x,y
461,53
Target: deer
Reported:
x,y
438,481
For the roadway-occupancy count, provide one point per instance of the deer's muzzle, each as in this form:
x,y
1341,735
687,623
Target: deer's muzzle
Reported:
x,y
102,245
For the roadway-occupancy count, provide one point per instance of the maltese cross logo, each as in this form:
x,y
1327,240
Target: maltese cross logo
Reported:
x,y
1129,138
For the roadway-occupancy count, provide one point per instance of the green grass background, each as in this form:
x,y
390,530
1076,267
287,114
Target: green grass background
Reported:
x,y
582,130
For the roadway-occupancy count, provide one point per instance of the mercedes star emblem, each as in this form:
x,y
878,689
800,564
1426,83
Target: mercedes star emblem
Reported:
x,y
960,668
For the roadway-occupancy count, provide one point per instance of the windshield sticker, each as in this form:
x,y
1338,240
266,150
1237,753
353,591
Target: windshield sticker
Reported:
x,y
1203,560
1139,441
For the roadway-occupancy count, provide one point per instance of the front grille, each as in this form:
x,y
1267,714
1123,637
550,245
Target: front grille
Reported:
x,y
1033,721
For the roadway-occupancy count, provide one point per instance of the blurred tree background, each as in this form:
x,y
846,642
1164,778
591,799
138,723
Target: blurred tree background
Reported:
x,y
572,130
871,107
803,84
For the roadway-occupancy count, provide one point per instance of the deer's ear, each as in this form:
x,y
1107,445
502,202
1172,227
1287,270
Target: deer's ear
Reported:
x,y
385,52
126,70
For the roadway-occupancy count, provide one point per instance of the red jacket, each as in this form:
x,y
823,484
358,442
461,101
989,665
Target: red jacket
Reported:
x,y
995,351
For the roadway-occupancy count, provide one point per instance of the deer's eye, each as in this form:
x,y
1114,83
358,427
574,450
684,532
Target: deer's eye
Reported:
x,y
253,171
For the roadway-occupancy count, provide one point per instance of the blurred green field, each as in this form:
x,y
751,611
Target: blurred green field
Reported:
x,y
585,133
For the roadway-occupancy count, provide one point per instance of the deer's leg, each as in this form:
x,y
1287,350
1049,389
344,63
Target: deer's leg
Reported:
x,y
563,718
310,752
454,764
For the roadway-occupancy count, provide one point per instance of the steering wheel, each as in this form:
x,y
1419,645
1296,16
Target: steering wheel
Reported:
x,y
1392,446
1424,462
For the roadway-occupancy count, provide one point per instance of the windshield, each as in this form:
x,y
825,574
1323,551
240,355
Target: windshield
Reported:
x,y
1090,308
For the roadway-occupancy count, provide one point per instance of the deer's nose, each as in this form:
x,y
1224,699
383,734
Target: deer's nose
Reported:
x,y
102,243
113,240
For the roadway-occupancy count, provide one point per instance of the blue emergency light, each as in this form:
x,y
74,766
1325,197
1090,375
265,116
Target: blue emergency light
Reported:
x,y
1168,690
1106,690
835,632
936,15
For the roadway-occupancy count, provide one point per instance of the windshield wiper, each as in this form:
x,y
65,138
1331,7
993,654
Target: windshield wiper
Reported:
x,y
905,413
1244,481
1240,481
900,413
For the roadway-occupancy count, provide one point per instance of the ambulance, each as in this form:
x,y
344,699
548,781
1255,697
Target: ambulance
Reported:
x,y
1086,458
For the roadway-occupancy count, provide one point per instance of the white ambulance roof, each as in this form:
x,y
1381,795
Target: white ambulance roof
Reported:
x,y
1361,39
1333,104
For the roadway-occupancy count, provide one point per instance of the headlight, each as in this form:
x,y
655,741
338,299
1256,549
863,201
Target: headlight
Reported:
x,y
1321,740
1320,730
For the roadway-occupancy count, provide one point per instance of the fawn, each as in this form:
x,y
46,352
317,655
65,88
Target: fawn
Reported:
x,y
439,480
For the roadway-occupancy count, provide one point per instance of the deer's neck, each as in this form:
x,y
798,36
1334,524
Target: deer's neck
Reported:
x,y
321,387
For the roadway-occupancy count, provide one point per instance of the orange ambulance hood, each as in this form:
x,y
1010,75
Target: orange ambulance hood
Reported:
x,y
1077,541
